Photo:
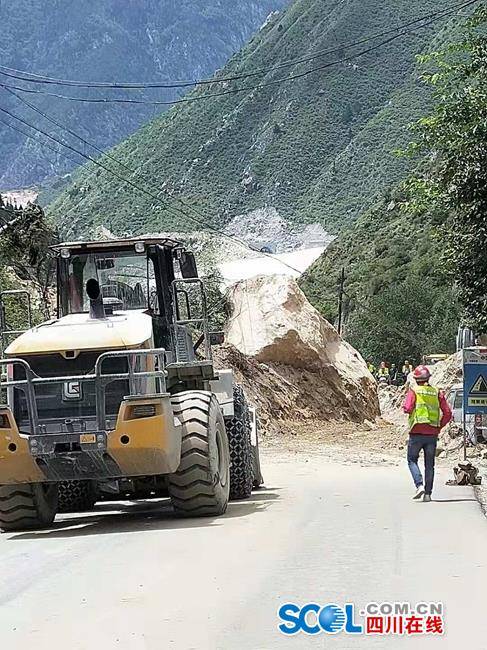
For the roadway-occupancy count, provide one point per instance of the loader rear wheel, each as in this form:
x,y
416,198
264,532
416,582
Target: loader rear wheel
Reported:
x,y
239,439
201,485
77,496
28,506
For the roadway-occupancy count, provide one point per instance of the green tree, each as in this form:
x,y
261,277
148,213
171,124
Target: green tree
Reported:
x,y
24,248
454,139
404,321
217,301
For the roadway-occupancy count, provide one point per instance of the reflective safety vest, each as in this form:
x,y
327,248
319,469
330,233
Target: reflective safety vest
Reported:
x,y
427,409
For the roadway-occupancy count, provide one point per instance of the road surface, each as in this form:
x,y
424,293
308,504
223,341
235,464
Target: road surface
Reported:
x,y
293,264
131,576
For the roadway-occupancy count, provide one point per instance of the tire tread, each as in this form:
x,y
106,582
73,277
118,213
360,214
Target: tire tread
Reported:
x,y
25,508
192,489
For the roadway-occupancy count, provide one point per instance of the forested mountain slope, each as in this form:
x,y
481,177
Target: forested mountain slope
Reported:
x,y
319,147
129,40
398,300
413,269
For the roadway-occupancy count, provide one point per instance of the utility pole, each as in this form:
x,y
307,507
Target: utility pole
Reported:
x,y
340,301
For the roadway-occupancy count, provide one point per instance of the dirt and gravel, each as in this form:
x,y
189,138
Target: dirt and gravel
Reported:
x,y
335,522
366,444
286,396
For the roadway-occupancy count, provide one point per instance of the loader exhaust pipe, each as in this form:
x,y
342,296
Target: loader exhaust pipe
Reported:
x,y
93,291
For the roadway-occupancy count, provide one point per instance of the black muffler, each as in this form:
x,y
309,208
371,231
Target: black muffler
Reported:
x,y
93,291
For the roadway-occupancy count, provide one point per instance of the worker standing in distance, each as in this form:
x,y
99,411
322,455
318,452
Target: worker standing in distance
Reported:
x,y
428,413
371,368
383,373
407,368
393,374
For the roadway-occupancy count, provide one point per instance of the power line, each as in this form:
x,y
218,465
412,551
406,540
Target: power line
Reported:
x,y
29,77
145,191
43,144
175,209
135,172
62,126
234,91
155,197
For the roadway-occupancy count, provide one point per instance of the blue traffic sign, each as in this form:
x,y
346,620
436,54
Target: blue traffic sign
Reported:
x,y
474,380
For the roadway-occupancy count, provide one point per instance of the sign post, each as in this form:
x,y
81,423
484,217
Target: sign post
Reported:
x,y
474,386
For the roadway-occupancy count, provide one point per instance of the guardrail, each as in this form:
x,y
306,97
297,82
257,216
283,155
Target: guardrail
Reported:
x,y
100,379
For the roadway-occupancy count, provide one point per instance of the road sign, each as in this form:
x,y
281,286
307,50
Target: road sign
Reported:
x,y
474,380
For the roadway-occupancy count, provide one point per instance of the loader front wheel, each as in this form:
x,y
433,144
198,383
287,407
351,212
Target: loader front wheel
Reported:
x,y
28,506
77,496
239,439
200,487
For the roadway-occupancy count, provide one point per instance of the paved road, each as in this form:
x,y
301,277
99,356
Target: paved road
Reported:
x,y
133,577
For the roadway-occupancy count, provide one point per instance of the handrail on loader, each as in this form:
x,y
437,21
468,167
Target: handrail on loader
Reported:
x,y
100,379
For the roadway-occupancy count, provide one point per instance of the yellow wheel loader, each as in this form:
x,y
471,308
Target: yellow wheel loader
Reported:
x,y
118,397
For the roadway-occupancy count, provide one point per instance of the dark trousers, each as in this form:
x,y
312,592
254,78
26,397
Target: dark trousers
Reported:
x,y
418,441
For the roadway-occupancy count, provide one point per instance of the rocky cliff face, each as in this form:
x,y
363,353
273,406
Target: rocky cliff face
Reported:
x,y
133,40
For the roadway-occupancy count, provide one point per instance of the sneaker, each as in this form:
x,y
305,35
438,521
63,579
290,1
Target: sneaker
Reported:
x,y
419,492
427,498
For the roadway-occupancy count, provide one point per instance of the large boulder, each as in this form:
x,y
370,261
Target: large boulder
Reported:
x,y
273,323
272,320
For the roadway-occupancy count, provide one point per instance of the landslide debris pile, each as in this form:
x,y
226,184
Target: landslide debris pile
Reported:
x,y
445,374
293,363
266,228
391,399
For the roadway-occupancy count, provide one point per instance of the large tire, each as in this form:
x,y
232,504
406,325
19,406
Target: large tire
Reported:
x,y
77,496
238,431
28,506
200,487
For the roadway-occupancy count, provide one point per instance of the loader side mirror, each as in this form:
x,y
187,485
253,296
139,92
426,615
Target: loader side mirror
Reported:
x,y
217,338
188,265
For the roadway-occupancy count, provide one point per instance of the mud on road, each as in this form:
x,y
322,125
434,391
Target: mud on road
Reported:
x,y
370,443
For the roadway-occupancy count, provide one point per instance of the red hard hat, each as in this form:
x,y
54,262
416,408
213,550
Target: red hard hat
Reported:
x,y
422,373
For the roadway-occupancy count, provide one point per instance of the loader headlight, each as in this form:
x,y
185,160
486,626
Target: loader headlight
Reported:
x,y
139,411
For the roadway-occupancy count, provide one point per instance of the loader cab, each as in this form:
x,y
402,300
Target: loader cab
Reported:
x,y
133,275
